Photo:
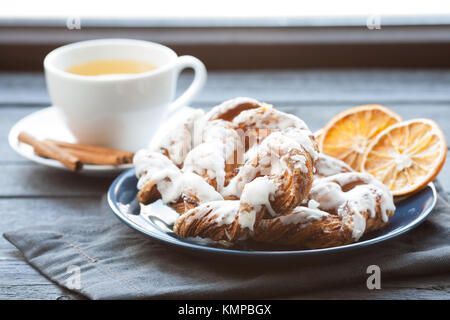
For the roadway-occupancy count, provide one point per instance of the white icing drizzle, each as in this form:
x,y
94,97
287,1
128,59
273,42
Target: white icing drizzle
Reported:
x,y
222,212
170,181
304,138
269,118
146,161
256,194
328,166
223,134
246,174
251,153
328,193
300,162
176,134
303,216
197,186
270,163
276,145
290,125
207,159
157,168
313,204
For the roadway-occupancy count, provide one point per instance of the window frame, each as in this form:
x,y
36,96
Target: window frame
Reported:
x,y
291,44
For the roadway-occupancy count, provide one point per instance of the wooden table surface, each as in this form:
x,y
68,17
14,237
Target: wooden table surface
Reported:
x,y
32,194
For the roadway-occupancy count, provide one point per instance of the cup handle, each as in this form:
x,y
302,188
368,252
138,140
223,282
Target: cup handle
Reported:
x,y
197,84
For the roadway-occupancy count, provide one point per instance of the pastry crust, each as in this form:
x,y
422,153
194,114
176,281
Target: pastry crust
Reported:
x,y
149,193
212,220
338,215
229,109
156,174
275,180
302,227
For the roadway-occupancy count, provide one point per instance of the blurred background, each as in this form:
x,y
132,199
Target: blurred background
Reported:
x,y
237,34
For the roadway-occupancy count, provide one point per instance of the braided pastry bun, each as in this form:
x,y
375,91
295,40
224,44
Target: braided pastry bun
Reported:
x,y
341,208
253,173
174,139
276,179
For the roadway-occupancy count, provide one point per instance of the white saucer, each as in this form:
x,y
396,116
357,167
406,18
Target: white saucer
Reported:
x,y
47,124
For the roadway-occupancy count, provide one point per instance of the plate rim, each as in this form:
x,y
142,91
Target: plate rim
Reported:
x,y
14,144
258,253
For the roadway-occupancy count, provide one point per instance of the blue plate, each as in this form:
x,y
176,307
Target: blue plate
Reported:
x,y
122,198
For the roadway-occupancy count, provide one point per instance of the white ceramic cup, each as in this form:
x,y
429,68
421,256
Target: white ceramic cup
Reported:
x,y
118,111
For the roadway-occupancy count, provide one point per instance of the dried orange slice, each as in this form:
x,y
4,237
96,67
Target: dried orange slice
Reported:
x,y
407,155
347,135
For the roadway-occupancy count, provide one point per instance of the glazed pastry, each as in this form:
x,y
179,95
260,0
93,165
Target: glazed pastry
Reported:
x,y
275,180
255,174
157,175
217,157
175,138
229,109
160,178
211,220
266,117
341,208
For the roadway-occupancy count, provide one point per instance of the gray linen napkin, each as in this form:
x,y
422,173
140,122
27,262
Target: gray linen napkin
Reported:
x,y
116,262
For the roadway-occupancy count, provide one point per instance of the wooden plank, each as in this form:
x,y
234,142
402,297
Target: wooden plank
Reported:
x,y
36,181
420,288
8,117
348,86
47,291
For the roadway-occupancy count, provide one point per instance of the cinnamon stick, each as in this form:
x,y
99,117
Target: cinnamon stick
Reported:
x,y
49,150
95,158
95,154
